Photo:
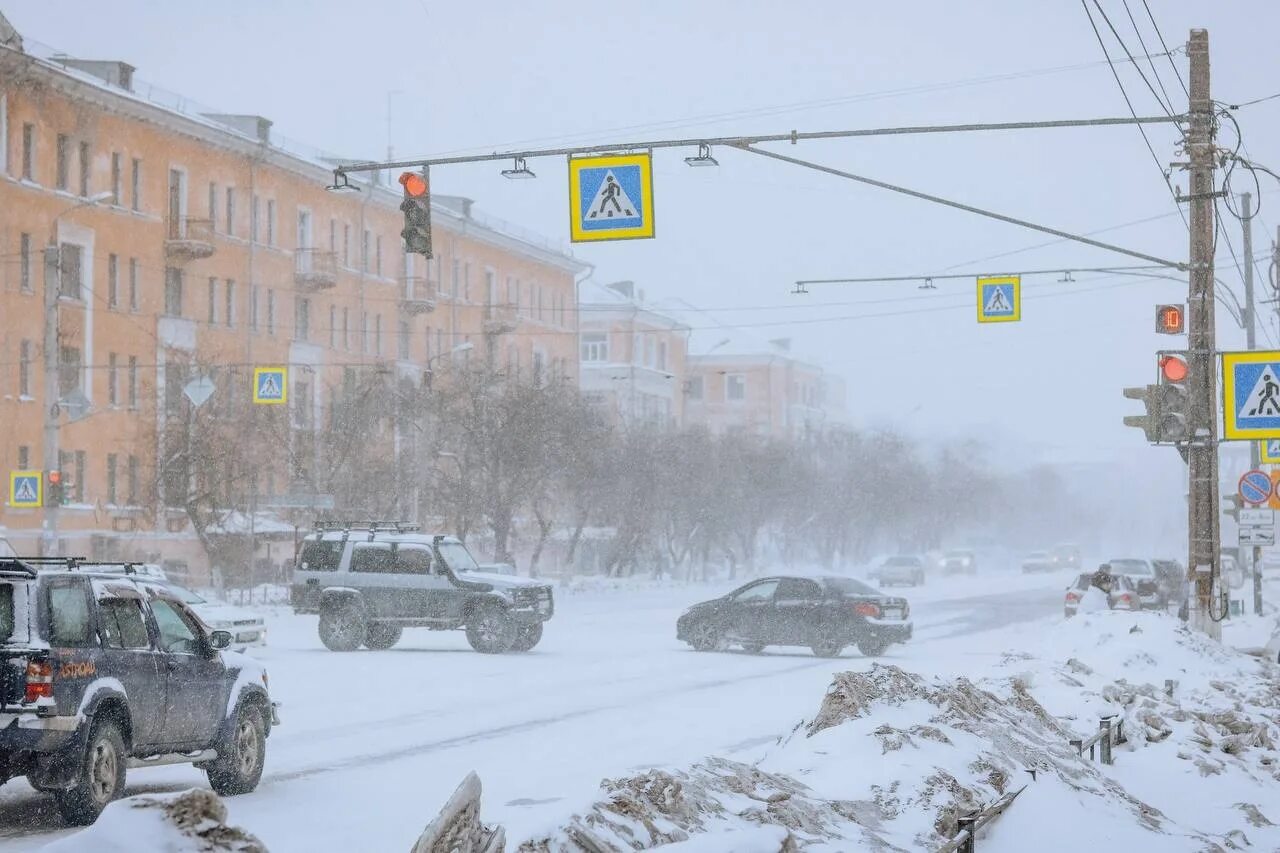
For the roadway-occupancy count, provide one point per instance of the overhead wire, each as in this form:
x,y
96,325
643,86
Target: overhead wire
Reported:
x,y
1150,60
1136,67
1176,71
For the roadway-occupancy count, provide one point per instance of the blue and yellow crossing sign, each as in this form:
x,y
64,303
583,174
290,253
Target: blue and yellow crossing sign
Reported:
x,y
271,386
1000,299
1250,395
1269,451
611,197
25,490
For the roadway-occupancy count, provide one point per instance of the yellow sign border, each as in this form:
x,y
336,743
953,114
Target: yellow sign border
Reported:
x,y
1231,429
1263,456
13,487
1016,281
643,231
284,386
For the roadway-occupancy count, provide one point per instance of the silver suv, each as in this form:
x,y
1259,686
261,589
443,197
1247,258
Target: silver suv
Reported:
x,y
368,582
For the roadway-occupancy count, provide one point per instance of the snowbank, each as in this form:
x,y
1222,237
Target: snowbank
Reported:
x,y
190,822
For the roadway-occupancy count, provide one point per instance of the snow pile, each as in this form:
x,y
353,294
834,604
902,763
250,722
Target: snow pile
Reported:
x,y
190,822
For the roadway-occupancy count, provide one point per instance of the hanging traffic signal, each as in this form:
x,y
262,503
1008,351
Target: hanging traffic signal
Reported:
x,y
1166,402
1171,319
417,213
55,493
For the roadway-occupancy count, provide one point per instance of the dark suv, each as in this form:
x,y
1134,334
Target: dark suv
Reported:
x,y
824,613
369,582
100,671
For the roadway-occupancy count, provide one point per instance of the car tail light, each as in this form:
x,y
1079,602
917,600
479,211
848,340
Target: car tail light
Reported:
x,y
866,608
1073,597
1126,600
39,681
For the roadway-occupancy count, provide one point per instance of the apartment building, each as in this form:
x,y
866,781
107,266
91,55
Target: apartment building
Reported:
x,y
187,244
633,355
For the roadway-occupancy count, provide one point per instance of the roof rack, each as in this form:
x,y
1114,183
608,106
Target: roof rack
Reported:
x,y
16,566
370,526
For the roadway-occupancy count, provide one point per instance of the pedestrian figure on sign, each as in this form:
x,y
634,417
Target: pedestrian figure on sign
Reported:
x,y
1269,398
611,192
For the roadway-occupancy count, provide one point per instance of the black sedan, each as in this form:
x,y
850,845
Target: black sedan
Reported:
x,y
824,613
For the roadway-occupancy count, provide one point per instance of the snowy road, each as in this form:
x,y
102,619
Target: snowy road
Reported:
x,y
374,742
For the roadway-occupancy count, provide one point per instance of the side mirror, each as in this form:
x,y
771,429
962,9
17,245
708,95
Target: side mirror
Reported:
x,y
220,640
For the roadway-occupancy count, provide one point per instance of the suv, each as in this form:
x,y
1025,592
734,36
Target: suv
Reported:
x,y
368,582
901,570
100,671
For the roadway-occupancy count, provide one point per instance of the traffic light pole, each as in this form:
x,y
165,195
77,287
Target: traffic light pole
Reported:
x,y
1203,562
51,454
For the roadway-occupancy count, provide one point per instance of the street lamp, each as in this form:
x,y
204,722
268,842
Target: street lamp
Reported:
x,y
465,346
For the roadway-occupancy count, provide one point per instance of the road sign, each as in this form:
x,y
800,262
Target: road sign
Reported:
x,y
199,390
1250,395
1260,536
610,197
271,385
1256,517
1256,487
1000,299
25,489
1269,451
1274,503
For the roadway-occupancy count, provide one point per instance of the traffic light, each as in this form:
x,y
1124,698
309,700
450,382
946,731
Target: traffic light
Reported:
x,y
1166,403
1171,319
55,492
417,212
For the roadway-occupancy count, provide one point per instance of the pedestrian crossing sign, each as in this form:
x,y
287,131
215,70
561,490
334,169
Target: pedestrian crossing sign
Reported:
x,y
1250,395
271,386
1269,451
611,197
1000,299
25,489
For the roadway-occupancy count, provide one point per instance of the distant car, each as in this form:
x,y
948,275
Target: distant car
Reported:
x,y
824,613
1066,556
1171,579
960,562
499,569
246,627
1124,594
1038,561
901,570
1144,578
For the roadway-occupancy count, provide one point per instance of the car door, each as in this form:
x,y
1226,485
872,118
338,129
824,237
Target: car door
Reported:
x,y
129,654
373,573
752,612
195,676
414,565
797,608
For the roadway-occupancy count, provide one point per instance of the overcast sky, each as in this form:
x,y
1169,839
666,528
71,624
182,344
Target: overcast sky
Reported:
x,y
486,75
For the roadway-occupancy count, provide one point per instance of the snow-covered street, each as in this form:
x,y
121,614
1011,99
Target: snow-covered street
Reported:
x,y
374,742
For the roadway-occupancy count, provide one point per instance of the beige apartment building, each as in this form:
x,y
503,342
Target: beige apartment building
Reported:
x,y
188,243
633,356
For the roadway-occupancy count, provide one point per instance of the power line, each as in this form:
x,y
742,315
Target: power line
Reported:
x,y
1127,53
1177,73
1150,61
955,276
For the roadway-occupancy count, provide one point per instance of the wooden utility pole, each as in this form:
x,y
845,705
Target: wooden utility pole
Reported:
x,y
1203,562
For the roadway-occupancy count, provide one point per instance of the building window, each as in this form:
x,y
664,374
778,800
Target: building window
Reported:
x,y
346,246
253,307
77,486
231,211
133,382
377,255
333,326
113,281
253,219
116,178
271,222
662,355
333,235
62,169
24,457
24,262
28,152
595,347
24,369
111,478
213,206
69,371
85,169
364,332
113,380
694,388
229,315
364,251
735,387
377,335
70,271
402,344
648,351
133,284
131,481
271,311
301,319
466,282
173,291
213,301
346,329
136,184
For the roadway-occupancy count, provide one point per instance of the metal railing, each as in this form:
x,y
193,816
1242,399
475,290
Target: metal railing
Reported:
x,y
190,228
1110,733
315,267
969,824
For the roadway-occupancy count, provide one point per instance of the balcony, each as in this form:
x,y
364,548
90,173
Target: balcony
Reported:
x,y
415,295
499,318
315,270
188,239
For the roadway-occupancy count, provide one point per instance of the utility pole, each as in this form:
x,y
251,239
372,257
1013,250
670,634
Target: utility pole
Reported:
x,y
52,410
1203,562
1250,333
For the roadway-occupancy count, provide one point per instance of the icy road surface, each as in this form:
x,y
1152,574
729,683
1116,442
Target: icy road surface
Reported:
x,y
373,743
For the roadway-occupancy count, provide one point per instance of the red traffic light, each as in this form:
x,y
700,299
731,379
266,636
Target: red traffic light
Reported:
x,y
1173,368
414,184
55,478
1171,319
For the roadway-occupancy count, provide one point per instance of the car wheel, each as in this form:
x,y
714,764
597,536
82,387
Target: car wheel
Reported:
x,y
871,648
753,648
101,776
527,637
705,637
342,629
382,637
828,649
241,756
490,631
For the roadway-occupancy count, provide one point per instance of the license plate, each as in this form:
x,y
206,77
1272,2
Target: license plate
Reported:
x,y
892,613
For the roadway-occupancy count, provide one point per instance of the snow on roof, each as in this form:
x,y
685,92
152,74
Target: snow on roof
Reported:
x,y
237,523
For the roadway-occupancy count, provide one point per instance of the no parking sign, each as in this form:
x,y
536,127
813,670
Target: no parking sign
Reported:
x,y
1255,487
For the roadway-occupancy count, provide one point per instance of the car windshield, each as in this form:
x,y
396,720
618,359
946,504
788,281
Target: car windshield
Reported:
x,y
186,596
849,586
1130,567
6,611
902,561
457,557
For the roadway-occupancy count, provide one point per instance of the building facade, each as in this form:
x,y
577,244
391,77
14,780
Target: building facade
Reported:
x,y
187,248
